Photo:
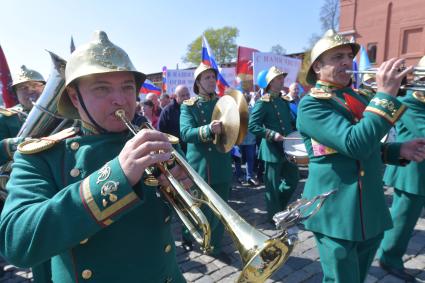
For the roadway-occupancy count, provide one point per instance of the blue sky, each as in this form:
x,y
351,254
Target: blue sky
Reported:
x,y
154,33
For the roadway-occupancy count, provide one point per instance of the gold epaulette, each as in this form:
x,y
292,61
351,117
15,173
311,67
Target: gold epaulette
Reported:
x,y
6,112
265,97
32,146
419,96
320,93
191,101
9,111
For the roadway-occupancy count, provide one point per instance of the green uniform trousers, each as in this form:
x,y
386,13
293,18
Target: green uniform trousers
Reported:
x,y
216,226
346,261
281,181
405,212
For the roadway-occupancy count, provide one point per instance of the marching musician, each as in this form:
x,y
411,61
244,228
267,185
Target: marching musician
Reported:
x,y
342,133
409,187
28,85
198,131
80,197
271,120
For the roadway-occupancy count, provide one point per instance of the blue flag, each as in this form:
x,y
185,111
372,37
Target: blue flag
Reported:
x,y
364,63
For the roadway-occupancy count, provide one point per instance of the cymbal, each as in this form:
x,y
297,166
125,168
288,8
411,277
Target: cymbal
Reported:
x,y
225,111
242,105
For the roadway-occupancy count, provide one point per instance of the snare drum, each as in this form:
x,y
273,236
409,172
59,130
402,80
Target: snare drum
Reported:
x,y
295,150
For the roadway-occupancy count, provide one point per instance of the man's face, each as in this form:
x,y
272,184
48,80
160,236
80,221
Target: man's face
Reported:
x,y
164,101
333,64
28,92
103,94
154,98
182,93
293,90
207,82
276,84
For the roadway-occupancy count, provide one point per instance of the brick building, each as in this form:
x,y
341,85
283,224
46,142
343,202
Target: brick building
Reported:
x,y
386,28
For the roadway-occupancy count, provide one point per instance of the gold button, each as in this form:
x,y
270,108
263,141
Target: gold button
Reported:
x,y
202,111
205,121
86,274
278,113
362,173
167,248
75,145
75,172
84,241
167,219
209,149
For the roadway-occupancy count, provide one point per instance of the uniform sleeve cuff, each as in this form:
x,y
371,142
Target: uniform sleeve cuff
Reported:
x,y
386,106
270,135
106,193
205,133
390,153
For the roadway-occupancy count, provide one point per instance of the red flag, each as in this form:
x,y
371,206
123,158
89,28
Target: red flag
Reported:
x,y
9,97
244,64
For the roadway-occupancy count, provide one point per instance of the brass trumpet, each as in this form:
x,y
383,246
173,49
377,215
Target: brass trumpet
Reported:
x,y
415,84
261,255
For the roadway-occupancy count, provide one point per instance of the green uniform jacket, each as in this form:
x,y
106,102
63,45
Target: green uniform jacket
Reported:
x,y
10,123
73,203
195,116
271,114
410,178
345,155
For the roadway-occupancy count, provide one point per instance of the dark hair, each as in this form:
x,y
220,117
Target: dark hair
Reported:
x,y
148,103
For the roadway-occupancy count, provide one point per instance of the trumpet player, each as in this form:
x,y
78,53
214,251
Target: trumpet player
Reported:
x,y
28,85
409,187
80,197
342,132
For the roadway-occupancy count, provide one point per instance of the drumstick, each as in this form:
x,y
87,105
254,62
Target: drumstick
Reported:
x,y
288,138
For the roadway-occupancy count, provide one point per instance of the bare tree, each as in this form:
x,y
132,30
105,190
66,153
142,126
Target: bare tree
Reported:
x,y
329,15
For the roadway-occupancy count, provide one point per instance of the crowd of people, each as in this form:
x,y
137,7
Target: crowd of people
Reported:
x,y
86,198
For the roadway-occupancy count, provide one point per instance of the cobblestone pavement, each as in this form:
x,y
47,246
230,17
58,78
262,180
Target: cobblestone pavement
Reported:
x,y
302,266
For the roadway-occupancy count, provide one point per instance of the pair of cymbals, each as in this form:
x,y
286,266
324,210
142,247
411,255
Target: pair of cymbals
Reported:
x,y
232,110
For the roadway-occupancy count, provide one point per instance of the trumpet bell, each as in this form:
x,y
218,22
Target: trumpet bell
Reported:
x,y
265,261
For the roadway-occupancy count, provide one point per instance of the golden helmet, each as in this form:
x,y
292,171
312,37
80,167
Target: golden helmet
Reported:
x,y
272,73
421,64
99,56
201,68
27,75
330,40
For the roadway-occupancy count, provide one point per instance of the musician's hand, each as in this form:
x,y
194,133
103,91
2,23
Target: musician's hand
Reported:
x,y
413,150
216,126
390,75
146,148
278,137
179,174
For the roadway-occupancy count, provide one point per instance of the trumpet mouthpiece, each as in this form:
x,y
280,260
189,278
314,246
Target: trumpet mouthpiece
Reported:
x,y
120,113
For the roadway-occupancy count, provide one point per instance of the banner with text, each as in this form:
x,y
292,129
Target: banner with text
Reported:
x,y
185,77
265,60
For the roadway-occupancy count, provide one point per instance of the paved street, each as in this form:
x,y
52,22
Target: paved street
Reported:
x,y
302,266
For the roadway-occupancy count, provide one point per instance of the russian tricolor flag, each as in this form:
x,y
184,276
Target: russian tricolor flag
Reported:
x,y
148,86
208,59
